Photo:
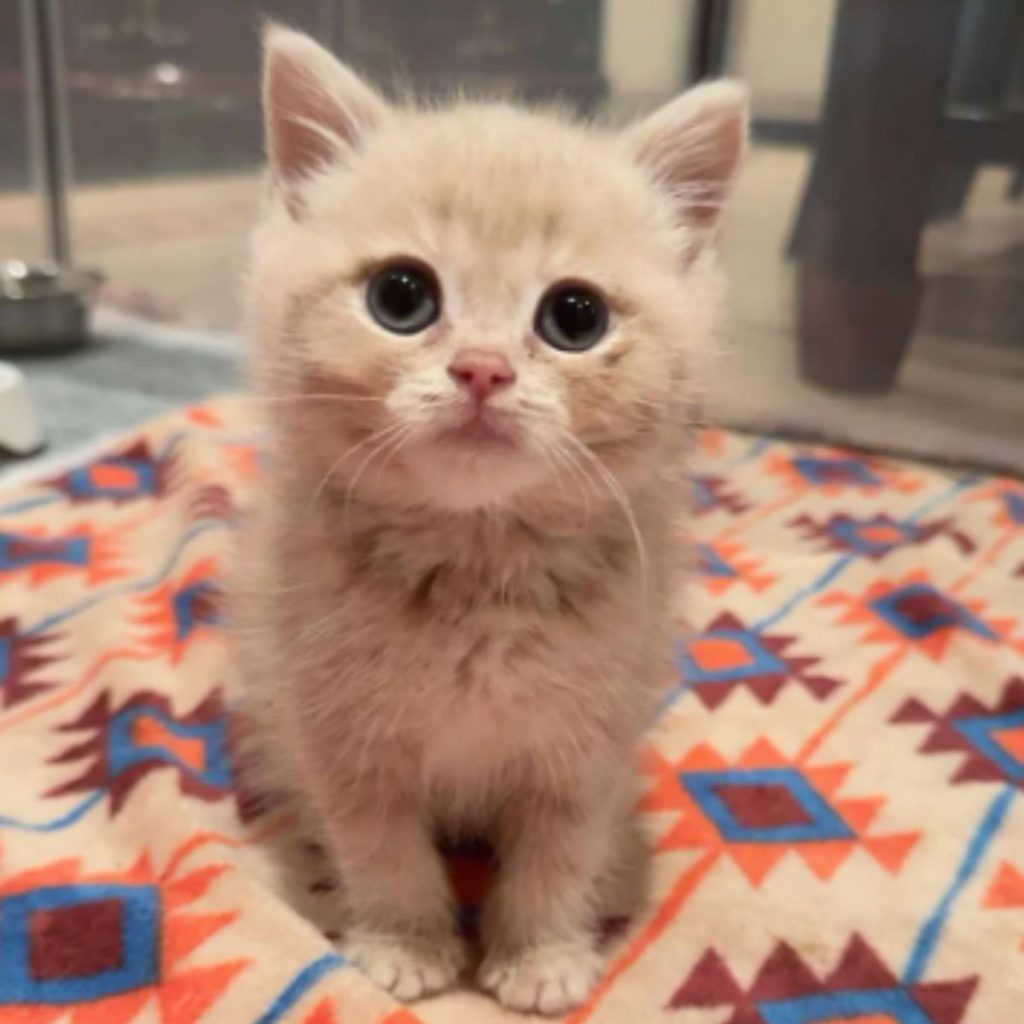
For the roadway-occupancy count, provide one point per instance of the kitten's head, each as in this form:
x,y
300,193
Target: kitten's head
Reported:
x,y
478,301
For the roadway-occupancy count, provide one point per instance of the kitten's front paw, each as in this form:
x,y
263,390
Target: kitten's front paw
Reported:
x,y
408,968
542,979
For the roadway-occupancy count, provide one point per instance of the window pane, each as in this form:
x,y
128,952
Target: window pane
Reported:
x,y
876,240
837,237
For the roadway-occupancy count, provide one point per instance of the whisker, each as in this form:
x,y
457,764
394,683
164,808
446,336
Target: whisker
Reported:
x,y
326,397
402,442
616,490
548,454
399,432
337,464
583,482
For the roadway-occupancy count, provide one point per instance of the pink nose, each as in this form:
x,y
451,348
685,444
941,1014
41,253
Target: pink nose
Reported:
x,y
481,373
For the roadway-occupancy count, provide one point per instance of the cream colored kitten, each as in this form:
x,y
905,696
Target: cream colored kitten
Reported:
x,y
477,335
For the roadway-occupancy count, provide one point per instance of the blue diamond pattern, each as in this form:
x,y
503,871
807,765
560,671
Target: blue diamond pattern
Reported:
x,y
895,1003
824,822
140,923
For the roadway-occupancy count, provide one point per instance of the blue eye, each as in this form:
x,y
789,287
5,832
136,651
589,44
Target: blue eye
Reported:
x,y
571,318
403,298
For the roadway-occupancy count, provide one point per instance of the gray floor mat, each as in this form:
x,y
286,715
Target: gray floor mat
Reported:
x,y
124,377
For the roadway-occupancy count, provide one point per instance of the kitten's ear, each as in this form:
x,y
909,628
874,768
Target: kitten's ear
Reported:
x,y
693,147
315,109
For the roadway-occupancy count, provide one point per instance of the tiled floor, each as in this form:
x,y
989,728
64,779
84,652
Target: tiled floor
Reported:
x,y
174,250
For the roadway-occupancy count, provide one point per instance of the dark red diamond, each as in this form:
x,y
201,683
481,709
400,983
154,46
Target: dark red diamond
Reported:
x,y
927,611
76,941
763,805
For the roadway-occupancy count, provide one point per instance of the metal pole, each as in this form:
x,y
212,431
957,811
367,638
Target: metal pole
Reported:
x,y
47,119
709,39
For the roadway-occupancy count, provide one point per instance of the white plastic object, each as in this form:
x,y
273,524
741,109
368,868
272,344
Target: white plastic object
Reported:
x,y
20,433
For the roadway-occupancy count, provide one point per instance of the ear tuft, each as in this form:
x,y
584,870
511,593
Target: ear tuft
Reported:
x,y
315,109
693,147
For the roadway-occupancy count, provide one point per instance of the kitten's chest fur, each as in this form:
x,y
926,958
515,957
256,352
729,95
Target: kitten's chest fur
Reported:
x,y
467,571
471,643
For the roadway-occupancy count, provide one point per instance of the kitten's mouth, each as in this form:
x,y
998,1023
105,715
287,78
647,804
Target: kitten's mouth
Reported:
x,y
481,427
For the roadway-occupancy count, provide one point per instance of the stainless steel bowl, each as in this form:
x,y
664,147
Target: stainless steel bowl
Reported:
x,y
45,307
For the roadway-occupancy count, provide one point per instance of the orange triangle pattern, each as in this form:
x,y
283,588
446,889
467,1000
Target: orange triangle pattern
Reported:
x,y
1007,889
322,1013
157,615
858,611
185,997
692,829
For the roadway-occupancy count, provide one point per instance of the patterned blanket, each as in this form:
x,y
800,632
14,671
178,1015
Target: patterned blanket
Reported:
x,y
832,791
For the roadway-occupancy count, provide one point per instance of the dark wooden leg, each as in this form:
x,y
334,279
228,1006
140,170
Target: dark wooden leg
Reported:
x,y
858,289
951,188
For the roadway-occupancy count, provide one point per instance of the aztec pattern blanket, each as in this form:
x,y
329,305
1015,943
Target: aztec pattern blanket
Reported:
x,y
833,791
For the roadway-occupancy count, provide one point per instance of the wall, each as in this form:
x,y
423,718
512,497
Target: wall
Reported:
x,y
781,48
645,48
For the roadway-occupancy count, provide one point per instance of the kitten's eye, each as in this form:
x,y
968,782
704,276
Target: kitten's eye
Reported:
x,y
571,317
403,298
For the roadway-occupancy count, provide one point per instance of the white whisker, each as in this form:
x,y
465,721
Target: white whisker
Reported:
x,y
312,398
567,457
337,464
616,490
398,432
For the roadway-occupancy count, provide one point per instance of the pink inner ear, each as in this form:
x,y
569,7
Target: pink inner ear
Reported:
x,y
706,173
694,154
302,119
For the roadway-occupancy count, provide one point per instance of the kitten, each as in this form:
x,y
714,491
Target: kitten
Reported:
x,y
477,338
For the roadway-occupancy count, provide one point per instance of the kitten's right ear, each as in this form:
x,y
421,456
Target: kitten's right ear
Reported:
x,y
315,110
693,146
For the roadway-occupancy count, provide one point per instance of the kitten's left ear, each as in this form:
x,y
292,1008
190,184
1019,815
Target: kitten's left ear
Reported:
x,y
693,146
315,109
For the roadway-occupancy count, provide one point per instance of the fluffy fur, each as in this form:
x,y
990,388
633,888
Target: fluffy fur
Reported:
x,y
439,632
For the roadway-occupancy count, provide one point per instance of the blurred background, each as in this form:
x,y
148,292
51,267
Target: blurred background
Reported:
x,y
876,243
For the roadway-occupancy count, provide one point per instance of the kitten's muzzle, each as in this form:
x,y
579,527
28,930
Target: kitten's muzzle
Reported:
x,y
479,422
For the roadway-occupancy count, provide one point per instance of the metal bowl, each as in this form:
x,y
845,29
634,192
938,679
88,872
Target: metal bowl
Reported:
x,y
45,307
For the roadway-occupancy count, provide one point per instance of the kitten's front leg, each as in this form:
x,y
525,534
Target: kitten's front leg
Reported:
x,y
400,927
540,925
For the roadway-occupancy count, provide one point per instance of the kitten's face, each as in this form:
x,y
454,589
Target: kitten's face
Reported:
x,y
499,296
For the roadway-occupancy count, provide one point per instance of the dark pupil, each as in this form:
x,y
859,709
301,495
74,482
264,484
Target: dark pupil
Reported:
x,y
402,293
577,313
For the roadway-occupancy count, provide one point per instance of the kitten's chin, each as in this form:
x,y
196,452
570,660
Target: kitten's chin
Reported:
x,y
469,471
